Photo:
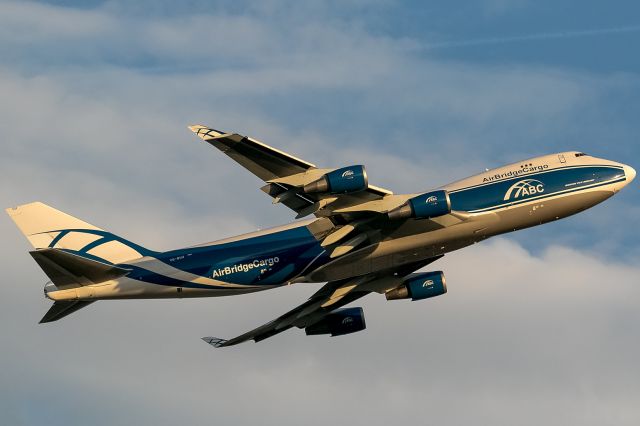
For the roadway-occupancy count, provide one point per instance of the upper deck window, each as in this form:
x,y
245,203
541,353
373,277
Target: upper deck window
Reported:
x,y
580,154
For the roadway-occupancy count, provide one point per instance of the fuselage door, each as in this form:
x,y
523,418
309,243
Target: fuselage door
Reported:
x,y
561,158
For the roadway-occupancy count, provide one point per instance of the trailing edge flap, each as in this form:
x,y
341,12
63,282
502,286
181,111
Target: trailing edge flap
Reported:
x,y
67,270
62,309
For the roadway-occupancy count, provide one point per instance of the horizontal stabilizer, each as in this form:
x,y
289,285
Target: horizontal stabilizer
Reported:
x,y
67,270
62,309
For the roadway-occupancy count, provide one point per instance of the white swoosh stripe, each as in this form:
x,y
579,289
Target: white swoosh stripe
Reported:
x,y
161,268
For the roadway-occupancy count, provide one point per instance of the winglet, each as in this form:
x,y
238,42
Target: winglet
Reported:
x,y
215,341
204,132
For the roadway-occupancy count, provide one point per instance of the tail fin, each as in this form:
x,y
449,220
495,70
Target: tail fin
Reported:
x,y
47,228
72,252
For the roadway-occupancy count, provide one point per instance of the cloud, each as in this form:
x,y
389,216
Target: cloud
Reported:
x,y
537,36
94,118
547,336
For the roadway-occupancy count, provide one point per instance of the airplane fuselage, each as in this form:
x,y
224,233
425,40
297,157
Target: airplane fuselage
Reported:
x,y
498,201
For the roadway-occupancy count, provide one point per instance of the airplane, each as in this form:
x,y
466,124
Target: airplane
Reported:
x,y
358,238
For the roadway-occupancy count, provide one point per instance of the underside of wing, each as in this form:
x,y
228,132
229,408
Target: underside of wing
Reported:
x,y
302,316
332,296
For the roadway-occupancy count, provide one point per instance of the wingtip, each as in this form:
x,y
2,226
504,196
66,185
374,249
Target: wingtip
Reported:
x,y
205,132
215,341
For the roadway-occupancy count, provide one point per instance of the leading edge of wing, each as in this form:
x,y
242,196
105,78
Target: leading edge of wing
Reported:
x,y
208,134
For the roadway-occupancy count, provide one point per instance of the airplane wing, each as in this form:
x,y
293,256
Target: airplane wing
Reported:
x,y
303,315
330,297
285,175
347,219
262,160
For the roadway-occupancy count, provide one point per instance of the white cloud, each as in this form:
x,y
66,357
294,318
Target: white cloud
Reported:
x,y
548,335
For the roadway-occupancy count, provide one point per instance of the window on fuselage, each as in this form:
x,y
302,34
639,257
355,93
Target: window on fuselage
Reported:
x,y
580,154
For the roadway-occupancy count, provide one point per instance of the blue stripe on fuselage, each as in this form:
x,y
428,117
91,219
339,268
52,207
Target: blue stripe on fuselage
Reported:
x,y
494,195
269,259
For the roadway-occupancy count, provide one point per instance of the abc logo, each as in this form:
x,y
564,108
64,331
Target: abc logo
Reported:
x,y
524,188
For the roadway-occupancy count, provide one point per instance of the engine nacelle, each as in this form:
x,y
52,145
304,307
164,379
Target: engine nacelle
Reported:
x,y
425,206
340,181
420,286
339,322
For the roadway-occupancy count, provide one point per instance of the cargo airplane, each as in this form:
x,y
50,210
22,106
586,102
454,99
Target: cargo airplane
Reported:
x,y
359,239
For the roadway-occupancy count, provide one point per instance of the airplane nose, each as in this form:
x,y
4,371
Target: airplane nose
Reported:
x,y
629,172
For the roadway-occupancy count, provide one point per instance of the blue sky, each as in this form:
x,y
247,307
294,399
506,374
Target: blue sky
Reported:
x,y
537,325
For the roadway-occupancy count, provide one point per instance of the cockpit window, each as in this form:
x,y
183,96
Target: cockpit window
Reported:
x,y
580,154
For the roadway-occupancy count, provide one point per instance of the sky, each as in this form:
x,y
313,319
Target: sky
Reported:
x,y
538,327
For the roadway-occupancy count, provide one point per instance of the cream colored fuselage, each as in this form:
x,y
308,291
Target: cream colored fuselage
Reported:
x,y
525,194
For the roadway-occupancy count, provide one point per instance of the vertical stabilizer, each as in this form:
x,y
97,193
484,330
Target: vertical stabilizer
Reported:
x,y
48,228
42,224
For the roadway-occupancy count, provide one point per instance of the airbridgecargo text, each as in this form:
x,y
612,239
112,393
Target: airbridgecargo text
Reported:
x,y
246,267
514,173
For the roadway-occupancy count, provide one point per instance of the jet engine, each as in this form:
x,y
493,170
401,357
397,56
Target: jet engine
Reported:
x,y
425,206
340,181
420,286
339,322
